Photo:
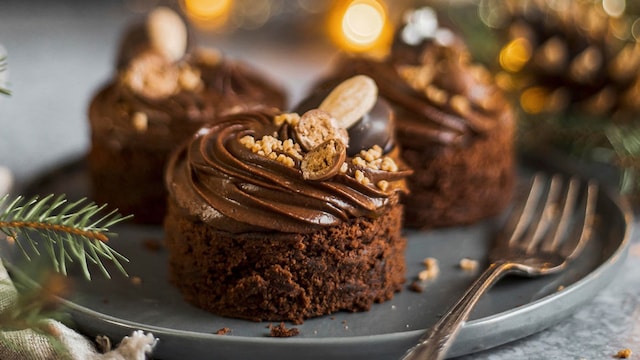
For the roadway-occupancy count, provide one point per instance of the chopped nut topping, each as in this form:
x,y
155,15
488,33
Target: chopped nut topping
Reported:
x,y
361,178
273,148
284,159
151,75
460,104
373,159
372,154
344,168
248,141
383,185
358,161
388,164
189,79
467,264
418,77
290,118
140,121
437,95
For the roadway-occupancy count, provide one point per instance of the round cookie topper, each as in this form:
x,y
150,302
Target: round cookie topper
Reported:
x,y
372,127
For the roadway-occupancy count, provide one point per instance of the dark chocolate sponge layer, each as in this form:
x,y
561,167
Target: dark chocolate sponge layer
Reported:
x,y
453,186
278,276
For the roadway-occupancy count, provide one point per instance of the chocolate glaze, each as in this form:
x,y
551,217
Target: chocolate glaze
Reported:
x,y
216,179
374,128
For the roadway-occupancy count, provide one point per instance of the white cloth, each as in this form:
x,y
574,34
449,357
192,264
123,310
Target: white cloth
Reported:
x,y
31,345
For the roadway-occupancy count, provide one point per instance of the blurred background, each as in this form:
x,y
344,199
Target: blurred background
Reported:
x,y
60,52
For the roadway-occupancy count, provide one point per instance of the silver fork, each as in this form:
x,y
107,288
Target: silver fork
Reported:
x,y
549,230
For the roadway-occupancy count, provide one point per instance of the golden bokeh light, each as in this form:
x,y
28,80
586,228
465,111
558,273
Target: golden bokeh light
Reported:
x,y
534,99
209,14
515,55
359,25
614,8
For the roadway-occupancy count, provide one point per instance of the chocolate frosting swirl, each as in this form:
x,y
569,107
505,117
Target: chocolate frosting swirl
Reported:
x,y
228,86
218,180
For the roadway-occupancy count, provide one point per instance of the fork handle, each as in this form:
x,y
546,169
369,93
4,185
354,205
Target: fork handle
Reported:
x,y
436,342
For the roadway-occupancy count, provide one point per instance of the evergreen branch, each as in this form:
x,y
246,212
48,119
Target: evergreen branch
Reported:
x,y
625,142
68,230
3,67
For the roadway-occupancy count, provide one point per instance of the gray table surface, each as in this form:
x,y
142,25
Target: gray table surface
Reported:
x,y
61,51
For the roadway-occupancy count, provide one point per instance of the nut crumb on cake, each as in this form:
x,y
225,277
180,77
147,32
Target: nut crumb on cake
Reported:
x,y
282,331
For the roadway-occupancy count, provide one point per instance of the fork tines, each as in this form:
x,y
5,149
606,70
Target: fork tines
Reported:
x,y
556,212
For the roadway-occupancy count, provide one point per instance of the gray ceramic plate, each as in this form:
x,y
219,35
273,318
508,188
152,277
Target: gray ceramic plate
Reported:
x,y
513,309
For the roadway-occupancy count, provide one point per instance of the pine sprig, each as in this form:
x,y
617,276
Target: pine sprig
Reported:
x,y
68,231
3,68
625,142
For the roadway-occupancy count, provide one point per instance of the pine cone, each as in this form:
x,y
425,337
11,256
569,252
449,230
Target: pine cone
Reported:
x,y
571,56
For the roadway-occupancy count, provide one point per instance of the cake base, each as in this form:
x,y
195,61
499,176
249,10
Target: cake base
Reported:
x,y
271,276
129,179
459,185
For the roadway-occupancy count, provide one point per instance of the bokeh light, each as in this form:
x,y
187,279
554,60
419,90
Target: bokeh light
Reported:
x,y
614,8
208,14
515,55
359,25
533,100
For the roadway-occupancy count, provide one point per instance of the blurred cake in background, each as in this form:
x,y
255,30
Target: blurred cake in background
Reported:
x,y
454,126
164,88
272,218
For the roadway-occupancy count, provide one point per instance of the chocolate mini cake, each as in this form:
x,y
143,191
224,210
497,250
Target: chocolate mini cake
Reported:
x,y
455,129
163,91
270,219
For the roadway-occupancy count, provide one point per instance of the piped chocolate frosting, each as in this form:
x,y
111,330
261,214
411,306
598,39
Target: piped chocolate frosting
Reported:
x,y
223,181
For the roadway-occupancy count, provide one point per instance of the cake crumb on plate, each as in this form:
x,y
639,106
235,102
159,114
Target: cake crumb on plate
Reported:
x,y
282,331
624,354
